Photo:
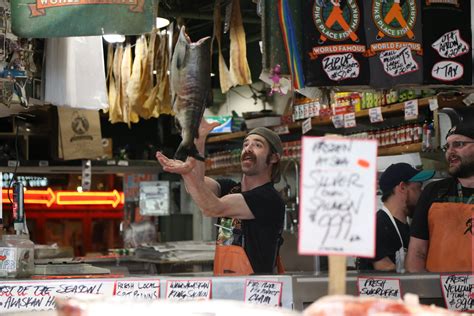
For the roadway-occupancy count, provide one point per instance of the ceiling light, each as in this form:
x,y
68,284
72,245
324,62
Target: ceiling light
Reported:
x,y
114,38
161,22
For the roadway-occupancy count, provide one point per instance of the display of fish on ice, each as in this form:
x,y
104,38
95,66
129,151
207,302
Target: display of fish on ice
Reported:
x,y
191,92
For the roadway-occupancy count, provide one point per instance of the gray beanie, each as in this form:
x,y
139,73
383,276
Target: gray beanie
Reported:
x,y
275,143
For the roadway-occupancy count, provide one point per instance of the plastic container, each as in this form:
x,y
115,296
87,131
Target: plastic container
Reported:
x,y
16,256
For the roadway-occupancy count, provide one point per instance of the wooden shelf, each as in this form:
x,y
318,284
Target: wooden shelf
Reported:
x,y
397,150
387,109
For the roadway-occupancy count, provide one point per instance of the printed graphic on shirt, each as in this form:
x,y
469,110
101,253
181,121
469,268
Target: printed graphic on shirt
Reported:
x,y
468,227
335,22
229,230
451,45
394,18
451,2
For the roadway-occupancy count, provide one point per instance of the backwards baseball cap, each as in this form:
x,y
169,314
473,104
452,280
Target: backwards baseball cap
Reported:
x,y
275,143
461,129
402,172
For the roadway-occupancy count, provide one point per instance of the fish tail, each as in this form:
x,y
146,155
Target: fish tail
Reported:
x,y
184,151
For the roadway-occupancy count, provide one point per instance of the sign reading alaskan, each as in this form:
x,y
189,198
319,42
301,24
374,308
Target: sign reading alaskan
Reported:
x,y
62,18
334,43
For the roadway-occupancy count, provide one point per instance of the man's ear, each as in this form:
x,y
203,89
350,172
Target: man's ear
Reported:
x,y
275,158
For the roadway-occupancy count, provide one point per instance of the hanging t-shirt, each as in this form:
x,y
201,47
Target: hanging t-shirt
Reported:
x,y
393,30
260,237
447,45
334,43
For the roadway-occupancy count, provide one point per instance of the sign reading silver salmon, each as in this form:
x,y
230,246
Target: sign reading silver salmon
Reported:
x,y
190,77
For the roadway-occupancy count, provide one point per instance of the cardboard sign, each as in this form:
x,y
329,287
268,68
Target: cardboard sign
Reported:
x,y
40,295
263,292
138,289
338,189
375,115
379,287
411,110
458,291
183,290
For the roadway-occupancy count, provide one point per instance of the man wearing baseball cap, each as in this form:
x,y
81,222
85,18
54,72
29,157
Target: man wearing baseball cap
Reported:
x,y
441,232
250,213
401,186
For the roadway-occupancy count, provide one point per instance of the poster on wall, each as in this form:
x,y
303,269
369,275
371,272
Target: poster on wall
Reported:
x,y
447,46
52,18
334,43
394,42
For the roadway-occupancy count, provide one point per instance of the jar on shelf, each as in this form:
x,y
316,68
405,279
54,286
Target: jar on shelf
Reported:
x,y
17,252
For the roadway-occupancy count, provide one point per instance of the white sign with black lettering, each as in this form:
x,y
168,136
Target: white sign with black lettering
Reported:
x,y
306,126
375,115
186,290
349,120
338,189
458,291
451,45
40,295
379,287
398,62
433,104
341,66
138,289
411,110
263,292
447,70
338,120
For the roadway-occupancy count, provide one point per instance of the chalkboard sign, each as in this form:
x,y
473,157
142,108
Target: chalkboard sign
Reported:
x,y
263,292
138,289
183,290
458,291
338,189
379,287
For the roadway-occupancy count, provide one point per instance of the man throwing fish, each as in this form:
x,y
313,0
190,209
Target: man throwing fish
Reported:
x,y
251,213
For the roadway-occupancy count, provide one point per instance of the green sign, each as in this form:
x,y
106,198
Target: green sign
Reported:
x,y
62,18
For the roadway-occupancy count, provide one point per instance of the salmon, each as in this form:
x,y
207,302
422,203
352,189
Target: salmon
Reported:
x,y
190,77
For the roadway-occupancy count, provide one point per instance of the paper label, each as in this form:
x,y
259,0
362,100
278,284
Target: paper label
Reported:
x,y
263,292
411,110
138,289
8,258
306,125
379,287
338,120
375,115
182,290
338,189
433,104
458,291
349,120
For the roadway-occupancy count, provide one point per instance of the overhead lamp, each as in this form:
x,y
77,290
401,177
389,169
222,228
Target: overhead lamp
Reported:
x,y
114,38
161,22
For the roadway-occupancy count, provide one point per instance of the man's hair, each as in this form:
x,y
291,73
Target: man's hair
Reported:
x,y
276,168
386,195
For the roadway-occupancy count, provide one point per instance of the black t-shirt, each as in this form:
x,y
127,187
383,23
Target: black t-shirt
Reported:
x,y
445,190
260,236
387,240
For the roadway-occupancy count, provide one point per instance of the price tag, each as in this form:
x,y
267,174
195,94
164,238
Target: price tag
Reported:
x,y
183,290
349,120
111,162
337,210
458,291
306,125
411,110
338,120
13,163
43,163
379,287
281,129
375,115
138,289
433,104
123,163
263,292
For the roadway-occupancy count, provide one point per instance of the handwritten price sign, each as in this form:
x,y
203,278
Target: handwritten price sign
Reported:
x,y
183,290
263,292
337,212
144,290
458,291
379,287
